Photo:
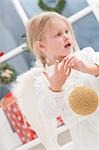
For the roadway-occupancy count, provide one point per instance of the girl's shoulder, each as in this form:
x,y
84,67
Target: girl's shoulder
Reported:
x,y
23,88
87,54
87,50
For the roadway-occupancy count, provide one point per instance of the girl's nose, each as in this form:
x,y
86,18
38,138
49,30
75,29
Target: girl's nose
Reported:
x,y
65,37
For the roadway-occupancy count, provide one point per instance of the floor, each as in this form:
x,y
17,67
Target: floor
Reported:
x,y
64,141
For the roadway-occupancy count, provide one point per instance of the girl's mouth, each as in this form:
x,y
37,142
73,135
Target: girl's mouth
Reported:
x,y
68,45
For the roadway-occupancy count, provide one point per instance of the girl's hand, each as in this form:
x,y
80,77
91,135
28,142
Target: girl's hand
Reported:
x,y
59,76
73,62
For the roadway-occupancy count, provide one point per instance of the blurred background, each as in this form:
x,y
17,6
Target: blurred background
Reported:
x,y
12,30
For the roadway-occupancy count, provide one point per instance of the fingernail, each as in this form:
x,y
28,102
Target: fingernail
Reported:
x,y
57,61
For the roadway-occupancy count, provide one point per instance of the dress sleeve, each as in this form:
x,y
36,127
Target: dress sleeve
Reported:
x,y
38,105
50,103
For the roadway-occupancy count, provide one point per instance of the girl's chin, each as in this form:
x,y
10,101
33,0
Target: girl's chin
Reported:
x,y
61,58
69,50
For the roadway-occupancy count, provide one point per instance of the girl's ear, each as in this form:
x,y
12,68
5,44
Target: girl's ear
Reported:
x,y
40,46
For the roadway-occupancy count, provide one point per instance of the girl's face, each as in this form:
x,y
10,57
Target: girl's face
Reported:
x,y
57,40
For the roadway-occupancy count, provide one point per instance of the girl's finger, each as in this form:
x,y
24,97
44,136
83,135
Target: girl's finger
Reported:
x,y
67,74
69,59
46,75
73,61
62,65
65,67
56,65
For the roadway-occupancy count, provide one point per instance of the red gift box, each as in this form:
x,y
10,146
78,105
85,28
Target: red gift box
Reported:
x,y
60,122
18,121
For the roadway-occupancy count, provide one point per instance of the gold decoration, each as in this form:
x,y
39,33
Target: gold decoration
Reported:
x,y
83,100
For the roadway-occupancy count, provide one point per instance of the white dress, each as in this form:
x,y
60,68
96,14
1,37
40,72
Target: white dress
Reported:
x,y
41,106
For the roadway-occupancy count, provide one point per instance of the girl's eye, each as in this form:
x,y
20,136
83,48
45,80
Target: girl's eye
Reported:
x,y
59,34
66,31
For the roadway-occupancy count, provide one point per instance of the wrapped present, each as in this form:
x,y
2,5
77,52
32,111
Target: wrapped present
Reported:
x,y
17,120
60,121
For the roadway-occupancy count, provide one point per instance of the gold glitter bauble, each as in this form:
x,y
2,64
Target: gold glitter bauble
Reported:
x,y
83,100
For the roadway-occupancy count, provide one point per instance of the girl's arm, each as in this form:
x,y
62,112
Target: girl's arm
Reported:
x,y
85,61
93,69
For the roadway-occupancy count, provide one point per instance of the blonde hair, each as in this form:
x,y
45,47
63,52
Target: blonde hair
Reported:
x,y
35,31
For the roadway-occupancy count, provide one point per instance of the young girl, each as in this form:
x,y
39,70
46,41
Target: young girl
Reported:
x,y
42,92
